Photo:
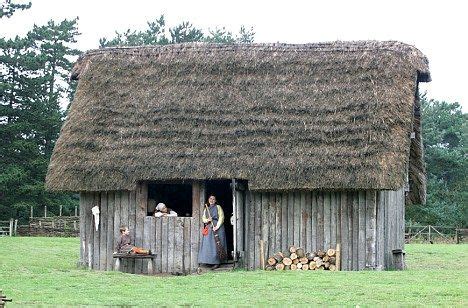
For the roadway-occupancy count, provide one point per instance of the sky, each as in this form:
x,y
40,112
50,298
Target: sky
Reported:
x,y
437,28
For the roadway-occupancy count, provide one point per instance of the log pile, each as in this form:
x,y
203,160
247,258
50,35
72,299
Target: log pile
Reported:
x,y
297,259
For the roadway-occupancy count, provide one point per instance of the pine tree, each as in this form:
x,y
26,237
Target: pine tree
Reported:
x,y
34,81
157,34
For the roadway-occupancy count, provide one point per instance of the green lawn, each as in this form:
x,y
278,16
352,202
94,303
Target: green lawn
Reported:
x,y
43,271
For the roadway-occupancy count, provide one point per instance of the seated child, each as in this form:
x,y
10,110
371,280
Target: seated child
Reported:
x,y
124,246
163,210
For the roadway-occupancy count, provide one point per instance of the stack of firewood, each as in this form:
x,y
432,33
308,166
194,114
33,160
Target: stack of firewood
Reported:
x,y
298,259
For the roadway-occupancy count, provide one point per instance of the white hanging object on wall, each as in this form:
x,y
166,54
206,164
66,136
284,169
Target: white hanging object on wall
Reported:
x,y
95,211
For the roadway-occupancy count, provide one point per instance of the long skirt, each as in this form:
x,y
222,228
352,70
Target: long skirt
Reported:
x,y
207,253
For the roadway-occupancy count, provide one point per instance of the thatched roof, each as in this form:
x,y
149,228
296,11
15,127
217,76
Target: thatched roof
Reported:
x,y
333,116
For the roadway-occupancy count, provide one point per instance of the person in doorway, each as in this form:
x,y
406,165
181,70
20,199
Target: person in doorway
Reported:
x,y
213,218
163,210
124,244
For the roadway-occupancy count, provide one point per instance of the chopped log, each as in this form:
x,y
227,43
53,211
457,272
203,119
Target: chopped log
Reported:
x,y
332,260
287,267
293,267
326,264
338,257
292,249
332,267
304,260
331,252
270,268
321,254
280,266
293,256
310,256
299,265
320,268
287,261
317,258
271,261
313,265
286,254
300,253
325,259
295,261
278,256
305,267
319,263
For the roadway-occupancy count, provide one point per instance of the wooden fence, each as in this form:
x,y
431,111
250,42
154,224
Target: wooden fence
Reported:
x,y
8,227
432,234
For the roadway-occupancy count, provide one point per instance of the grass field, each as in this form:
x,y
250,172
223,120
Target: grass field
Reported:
x,y
43,271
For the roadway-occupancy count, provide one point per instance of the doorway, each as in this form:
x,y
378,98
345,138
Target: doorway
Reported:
x,y
221,189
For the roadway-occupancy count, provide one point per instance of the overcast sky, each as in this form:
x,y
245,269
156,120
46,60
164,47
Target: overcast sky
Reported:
x,y
437,28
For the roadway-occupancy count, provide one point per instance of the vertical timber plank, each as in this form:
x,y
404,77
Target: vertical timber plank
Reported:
x,y
313,235
110,229
326,219
279,227
159,247
297,219
195,232
164,244
333,224
284,221
272,224
96,254
252,232
290,219
103,233
171,244
344,231
371,229
304,218
355,256
265,226
124,204
308,221
187,243
178,251
362,230
320,221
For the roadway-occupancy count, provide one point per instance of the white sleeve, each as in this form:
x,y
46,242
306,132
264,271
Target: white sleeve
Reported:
x,y
172,214
158,214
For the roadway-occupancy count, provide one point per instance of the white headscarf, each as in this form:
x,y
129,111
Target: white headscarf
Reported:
x,y
160,207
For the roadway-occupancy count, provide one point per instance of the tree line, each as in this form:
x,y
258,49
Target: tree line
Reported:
x,y
35,92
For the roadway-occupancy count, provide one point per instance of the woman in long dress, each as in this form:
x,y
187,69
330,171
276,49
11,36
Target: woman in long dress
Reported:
x,y
207,254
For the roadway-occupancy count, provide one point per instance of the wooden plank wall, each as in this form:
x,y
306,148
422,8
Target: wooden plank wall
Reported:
x,y
368,224
174,240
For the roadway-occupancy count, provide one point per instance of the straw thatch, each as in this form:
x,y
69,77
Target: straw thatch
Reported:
x,y
333,116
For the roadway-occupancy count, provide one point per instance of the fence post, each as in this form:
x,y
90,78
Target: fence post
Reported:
x,y
11,227
60,210
430,233
16,226
45,211
76,211
31,211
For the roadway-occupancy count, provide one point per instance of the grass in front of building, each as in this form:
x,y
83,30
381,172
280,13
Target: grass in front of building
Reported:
x,y
35,270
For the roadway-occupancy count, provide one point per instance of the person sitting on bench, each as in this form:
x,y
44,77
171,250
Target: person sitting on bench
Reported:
x,y
163,210
124,246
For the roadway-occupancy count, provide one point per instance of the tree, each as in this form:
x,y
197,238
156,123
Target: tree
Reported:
x,y
444,137
157,34
7,8
34,81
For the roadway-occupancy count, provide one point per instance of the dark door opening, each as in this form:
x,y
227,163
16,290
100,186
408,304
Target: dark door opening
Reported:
x,y
221,189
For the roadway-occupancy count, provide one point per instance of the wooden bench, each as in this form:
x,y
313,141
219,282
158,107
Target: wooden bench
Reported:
x,y
119,256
